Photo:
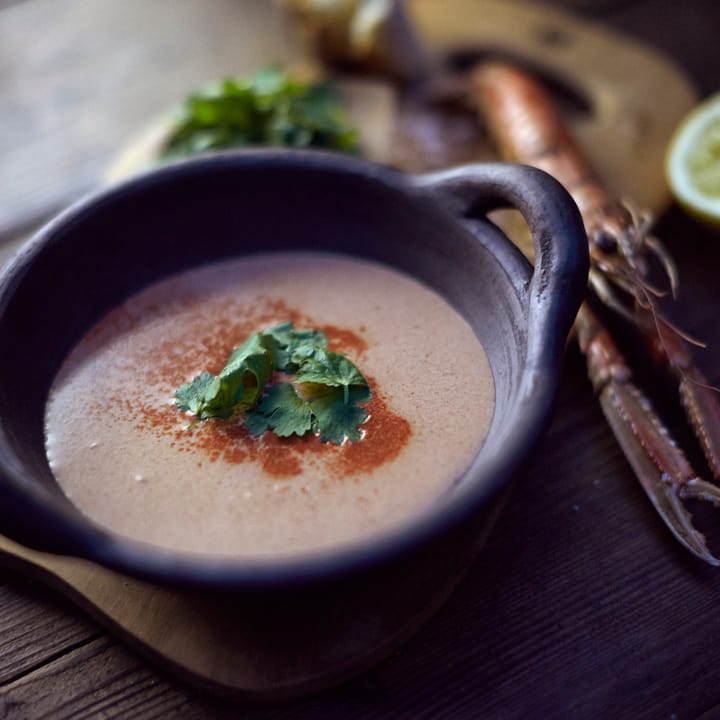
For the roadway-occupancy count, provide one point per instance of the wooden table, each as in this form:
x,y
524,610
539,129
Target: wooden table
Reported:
x,y
580,606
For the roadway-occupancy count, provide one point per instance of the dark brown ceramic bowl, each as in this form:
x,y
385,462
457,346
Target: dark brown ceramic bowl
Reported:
x,y
112,244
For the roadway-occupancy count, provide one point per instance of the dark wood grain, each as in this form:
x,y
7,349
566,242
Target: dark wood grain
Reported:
x,y
689,34
581,606
33,629
94,680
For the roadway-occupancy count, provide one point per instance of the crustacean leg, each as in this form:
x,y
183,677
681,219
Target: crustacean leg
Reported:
x,y
661,466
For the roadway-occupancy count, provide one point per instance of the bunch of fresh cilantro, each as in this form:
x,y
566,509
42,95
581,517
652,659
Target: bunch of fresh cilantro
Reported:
x,y
324,397
268,108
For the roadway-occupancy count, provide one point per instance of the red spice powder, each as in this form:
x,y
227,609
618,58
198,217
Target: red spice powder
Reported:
x,y
385,432
385,435
344,341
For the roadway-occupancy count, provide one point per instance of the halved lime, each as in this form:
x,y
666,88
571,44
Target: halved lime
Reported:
x,y
692,163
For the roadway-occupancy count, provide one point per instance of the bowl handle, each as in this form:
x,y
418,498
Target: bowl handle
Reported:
x,y
561,251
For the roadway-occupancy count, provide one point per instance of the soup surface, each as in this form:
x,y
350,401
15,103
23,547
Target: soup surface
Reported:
x,y
129,459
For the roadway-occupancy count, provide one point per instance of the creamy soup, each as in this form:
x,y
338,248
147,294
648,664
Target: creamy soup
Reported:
x,y
129,459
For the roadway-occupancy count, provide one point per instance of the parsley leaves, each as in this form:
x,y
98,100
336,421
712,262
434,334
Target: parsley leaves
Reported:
x,y
267,108
324,398
236,388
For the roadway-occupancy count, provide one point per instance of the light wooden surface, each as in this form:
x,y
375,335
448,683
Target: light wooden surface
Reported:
x,y
80,78
581,605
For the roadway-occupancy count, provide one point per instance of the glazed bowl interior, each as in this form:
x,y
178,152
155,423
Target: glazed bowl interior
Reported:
x,y
100,252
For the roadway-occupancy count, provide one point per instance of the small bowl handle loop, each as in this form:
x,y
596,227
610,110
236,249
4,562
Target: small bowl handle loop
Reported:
x,y
560,276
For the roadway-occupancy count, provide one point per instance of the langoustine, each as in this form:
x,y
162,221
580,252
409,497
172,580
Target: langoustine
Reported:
x,y
527,128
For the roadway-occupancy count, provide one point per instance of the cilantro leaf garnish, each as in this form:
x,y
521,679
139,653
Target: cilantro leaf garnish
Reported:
x,y
324,397
289,347
191,396
237,387
267,108
330,368
336,418
281,410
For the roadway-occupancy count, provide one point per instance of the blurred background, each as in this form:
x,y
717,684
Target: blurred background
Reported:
x,y
80,79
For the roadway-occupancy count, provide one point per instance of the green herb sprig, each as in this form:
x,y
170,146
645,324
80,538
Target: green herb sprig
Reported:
x,y
324,398
267,108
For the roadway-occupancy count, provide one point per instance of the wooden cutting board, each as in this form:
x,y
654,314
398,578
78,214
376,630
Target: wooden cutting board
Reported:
x,y
635,96
624,130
